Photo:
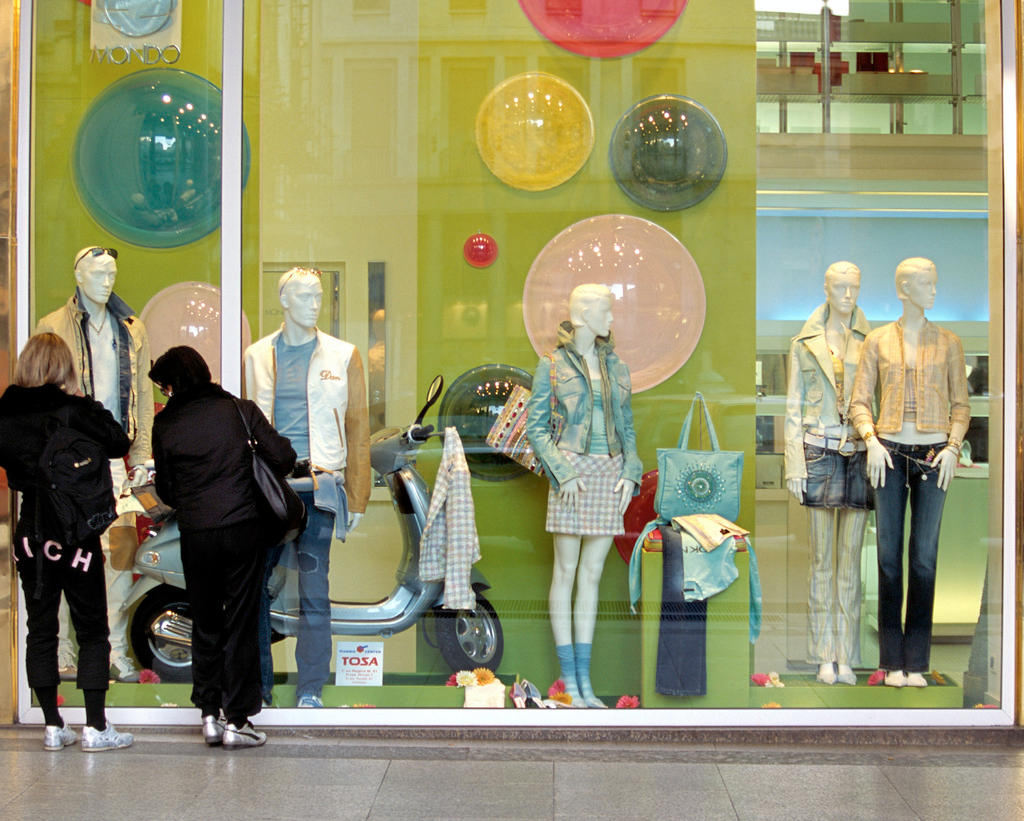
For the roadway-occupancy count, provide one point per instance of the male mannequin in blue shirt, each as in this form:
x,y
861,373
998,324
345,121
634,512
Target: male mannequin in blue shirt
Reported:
x,y
311,387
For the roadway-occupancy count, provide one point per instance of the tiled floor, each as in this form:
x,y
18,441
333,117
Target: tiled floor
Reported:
x,y
171,775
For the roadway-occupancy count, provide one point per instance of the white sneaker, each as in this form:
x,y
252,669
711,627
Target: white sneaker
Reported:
x,y
895,678
310,700
916,680
123,668
94,741
57,738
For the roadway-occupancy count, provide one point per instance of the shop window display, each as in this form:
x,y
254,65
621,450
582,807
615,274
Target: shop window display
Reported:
x,y
408,175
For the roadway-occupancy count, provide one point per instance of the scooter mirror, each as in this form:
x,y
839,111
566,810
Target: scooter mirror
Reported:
x,y
433,392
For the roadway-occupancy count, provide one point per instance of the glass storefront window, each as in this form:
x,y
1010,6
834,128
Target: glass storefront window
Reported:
x,y
452,175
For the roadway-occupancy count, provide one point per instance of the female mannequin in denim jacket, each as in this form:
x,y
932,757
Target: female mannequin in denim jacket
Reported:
x,y
583,360
825,470
913,446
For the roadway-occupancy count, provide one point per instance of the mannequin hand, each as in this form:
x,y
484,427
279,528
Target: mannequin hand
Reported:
x,y
878,460
138,476
625,488
945,460
798,487
569,492
353,521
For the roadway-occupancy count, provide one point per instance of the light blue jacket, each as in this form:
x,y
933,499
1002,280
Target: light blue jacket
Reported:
x,y
574,403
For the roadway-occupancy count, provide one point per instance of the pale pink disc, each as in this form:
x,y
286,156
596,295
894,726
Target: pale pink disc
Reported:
x,y
188,313
658,314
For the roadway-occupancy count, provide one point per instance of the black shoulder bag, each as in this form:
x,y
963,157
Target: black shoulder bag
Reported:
x,y
280,501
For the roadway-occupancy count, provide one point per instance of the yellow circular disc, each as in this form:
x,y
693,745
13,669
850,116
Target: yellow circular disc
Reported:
x,y
534,131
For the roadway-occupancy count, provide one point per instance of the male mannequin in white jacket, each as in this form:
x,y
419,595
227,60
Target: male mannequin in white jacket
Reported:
x,y
311,387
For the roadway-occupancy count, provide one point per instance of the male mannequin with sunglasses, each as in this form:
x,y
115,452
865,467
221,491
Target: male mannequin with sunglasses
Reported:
x,y
311,387
111,352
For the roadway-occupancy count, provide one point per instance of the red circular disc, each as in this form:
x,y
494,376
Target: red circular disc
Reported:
x,y
603,28
480,250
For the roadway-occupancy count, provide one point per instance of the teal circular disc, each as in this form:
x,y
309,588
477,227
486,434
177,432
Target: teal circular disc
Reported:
x,y
147,158
667,152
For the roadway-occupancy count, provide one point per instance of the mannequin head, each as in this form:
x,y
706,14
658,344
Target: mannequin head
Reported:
x,y
301,295
590,306
95,272
915,282
842,285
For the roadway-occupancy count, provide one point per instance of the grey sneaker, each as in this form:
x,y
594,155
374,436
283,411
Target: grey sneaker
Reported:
x,y
123,668
309,700
57,738
213,730
244,736
94,741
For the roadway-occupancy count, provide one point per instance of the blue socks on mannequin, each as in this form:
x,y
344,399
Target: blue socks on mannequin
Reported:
x,y
583,676
567,661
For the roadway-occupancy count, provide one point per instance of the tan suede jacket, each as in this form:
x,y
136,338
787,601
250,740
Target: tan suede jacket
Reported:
x,y
940,381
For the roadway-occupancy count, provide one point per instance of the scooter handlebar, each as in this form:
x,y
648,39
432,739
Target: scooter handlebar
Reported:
x,y
419,433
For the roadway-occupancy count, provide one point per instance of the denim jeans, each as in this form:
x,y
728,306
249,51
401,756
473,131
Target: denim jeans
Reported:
x,y
313,639
682,635
907,647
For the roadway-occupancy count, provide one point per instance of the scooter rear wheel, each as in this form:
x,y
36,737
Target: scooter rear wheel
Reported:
x,y
470,638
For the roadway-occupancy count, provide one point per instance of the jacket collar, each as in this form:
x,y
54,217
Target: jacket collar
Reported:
x,y
567,339
815,324
118,308
204,391
20,400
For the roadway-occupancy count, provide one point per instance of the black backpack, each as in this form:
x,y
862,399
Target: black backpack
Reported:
x,y
76,486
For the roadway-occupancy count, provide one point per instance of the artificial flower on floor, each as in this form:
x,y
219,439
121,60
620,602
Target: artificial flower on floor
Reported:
x,y
483,688
452,680
771,705
147,676
60,700
876,678
627,702
938,678
556,692
767,680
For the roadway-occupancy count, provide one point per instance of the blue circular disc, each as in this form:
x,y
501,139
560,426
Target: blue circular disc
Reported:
x,y
472,404
667,152
147,158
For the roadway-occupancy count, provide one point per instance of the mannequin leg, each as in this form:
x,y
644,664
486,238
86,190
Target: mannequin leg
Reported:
x,y
563,574
67,654
588,580
890,509
850,538
821,646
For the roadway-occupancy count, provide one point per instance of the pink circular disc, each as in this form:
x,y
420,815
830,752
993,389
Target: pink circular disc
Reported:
x,y
603,28
658,314
188,313
480,250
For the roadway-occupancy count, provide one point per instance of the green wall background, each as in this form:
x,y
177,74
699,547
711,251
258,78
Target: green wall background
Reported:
x,y
708,55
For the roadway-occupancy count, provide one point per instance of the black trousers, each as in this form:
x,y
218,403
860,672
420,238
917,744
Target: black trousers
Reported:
x,y
223,570
48,570
682,638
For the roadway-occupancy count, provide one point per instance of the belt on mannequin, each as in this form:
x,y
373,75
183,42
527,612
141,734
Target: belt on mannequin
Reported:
x,y
844,447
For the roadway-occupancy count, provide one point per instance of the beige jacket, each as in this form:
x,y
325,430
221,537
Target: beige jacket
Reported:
x,y
136,389
940,382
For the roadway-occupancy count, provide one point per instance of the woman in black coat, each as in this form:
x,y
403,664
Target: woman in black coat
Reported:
x,y
204,470
30,410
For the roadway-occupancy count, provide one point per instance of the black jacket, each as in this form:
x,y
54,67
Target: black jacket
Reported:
x,y
203,462
25,414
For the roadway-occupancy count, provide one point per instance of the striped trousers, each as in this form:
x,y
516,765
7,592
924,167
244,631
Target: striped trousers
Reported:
x,y
836,537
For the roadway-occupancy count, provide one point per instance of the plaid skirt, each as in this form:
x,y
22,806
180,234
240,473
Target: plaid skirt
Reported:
x,y
596,513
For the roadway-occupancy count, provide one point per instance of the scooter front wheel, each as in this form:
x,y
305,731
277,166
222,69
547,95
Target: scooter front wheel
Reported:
x,y
470,638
